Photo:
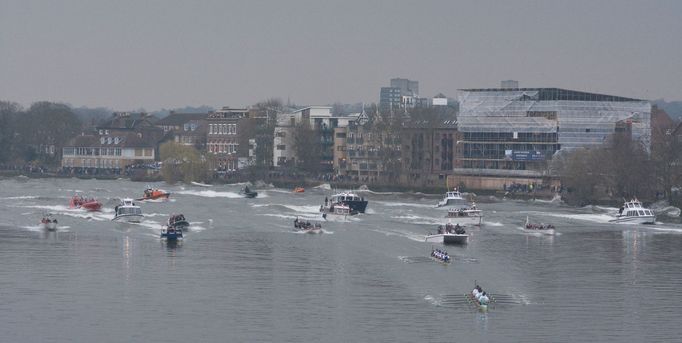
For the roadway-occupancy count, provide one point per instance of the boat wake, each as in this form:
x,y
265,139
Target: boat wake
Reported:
x,y
211,194
404,204
666,230
412,219
597,218
324,186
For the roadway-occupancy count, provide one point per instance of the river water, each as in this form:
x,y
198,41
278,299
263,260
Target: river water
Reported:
x,y
242,275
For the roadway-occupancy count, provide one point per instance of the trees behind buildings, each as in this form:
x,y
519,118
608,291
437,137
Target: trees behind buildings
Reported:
x,y
621,169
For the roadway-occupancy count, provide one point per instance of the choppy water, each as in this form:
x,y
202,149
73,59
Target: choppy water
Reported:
x,y
242,275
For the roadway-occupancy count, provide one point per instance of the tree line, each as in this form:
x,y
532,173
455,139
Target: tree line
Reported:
x,y
622,168
33,134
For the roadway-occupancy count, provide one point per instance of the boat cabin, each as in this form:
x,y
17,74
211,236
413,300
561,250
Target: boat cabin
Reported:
x,y
345,197
634,208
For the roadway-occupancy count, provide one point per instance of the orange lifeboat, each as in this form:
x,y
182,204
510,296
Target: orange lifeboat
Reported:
x,y
299,190
153,194
89,204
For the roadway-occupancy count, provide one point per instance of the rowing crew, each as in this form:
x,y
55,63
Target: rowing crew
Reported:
x,y
440,254
480,296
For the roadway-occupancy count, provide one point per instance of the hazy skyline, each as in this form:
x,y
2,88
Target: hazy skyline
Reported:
x,y
127,55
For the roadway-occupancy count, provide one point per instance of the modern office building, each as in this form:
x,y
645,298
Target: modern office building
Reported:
x,y
407,87
515,132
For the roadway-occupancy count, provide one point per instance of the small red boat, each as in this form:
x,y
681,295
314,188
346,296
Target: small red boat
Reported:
x,y
153,194
299,190
89,204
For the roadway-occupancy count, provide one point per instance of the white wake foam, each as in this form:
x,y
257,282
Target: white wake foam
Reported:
x,y
211,194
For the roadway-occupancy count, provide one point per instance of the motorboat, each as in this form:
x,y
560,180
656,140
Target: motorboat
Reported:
x,y
307,227
440,256
633,212
49,222
89,204
449,234
154,193
178,221
248,193
356,203
453,198
299,190
171,233
547,229
128,211
465,215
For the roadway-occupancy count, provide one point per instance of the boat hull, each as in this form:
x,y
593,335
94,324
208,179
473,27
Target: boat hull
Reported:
x,y
455,238
128,218
251,194
540,232
92,206
171,235
358,206
50,226
634,220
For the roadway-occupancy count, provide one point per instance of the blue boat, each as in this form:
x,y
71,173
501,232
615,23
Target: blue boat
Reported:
x,y
171,233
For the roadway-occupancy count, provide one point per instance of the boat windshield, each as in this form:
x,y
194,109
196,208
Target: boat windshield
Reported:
x,y
129,211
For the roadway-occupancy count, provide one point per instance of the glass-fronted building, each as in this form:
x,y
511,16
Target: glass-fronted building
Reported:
x,y
520,129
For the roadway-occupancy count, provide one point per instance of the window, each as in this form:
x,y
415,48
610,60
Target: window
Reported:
x,y
340,135
102,140
281,134
116,140
281,147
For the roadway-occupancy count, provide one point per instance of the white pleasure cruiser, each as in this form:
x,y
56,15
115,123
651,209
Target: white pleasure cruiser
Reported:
x,y
633,212
465,215
127,211
453,198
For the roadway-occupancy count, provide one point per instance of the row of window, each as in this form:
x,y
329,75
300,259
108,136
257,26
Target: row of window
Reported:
x,y
229,165
92,163
222,148
222,129
92,151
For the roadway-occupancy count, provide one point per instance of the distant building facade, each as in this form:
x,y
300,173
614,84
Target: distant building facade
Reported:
x,y
429,151
516,132
223,138
185,128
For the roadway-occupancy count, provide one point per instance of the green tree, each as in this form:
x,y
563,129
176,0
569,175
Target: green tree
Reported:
x,y
183,163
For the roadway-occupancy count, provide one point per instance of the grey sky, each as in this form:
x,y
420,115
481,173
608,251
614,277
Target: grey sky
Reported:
x,y
152,54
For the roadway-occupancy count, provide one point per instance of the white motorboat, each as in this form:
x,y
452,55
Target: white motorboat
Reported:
x,y
449,234
465,215
127,211
49,222
453,198
633,212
